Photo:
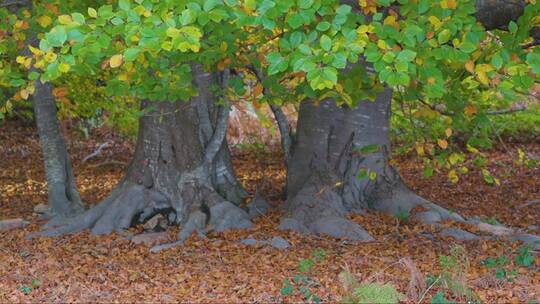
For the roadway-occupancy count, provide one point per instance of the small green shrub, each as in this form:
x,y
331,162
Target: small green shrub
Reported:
x,y
368,292
491,221
455,268
525,258
302,282
376,293
403,216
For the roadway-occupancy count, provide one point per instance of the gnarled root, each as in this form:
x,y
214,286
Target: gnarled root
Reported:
x,y
127,204
317,208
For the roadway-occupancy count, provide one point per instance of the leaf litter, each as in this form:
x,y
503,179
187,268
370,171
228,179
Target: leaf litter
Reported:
x,y
219,269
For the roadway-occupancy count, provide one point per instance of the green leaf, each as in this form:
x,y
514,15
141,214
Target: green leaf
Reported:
x,y
277,63
406,56
305,4
57,36
78,18
533,59
295,21
512,27
444,36
323,26
131,54
326,43
124,5
288,289
467,47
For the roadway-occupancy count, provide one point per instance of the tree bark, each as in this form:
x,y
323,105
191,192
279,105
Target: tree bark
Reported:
x,y
63,197
171,172
340,165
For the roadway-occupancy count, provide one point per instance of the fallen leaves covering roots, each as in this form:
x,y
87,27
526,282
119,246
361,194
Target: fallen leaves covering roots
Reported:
x,y
85,268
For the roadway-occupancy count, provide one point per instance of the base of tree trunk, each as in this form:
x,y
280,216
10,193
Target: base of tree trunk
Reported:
x,y
334,144
169,175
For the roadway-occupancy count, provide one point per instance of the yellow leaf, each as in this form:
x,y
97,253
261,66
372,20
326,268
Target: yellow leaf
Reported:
x,y
482,77
166,45
44,21
65,19
362,29
420,150
27,63
448,132
224,46
469,66
123,77
435,21
116,61
452,175
24,94
20,59
442,143
92,12
64,67
35,51
391,20
50,57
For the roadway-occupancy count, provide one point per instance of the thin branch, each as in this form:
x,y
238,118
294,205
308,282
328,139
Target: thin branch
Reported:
x,y
284,126
96,152
530,203
222,123
14,3
518,108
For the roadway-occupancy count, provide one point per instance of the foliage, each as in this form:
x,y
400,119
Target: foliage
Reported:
x,y
525,257
368,292
492,221
502,265
26,289
301,281
376,293
403,216
455,267
446,70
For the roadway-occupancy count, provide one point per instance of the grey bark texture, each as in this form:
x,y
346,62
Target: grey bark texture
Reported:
x,y
63,197
171,174
323,183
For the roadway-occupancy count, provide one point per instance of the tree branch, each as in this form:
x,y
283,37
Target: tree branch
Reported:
x,y
222,123
515,109
96,152
284,126
14,3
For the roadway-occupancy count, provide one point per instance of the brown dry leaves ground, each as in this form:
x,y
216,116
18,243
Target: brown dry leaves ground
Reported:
x,y
219,269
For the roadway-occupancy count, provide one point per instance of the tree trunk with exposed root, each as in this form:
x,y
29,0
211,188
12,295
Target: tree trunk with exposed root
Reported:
x,y
181,168
340,165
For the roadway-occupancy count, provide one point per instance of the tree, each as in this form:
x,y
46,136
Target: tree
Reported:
x,y
331,53
22,21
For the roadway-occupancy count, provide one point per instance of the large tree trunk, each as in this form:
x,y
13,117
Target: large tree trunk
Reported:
x,y
339,165
63,197
181,168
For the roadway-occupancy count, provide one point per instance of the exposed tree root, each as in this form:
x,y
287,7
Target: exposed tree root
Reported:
x,y
318,209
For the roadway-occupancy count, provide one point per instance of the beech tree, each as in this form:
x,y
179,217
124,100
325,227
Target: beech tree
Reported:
x,y
340,61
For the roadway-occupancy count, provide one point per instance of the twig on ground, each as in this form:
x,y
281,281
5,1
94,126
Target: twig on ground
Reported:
x,y
529,203
96,152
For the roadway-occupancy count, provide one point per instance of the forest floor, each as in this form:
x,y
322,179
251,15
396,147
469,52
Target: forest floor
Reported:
x,y
220,269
